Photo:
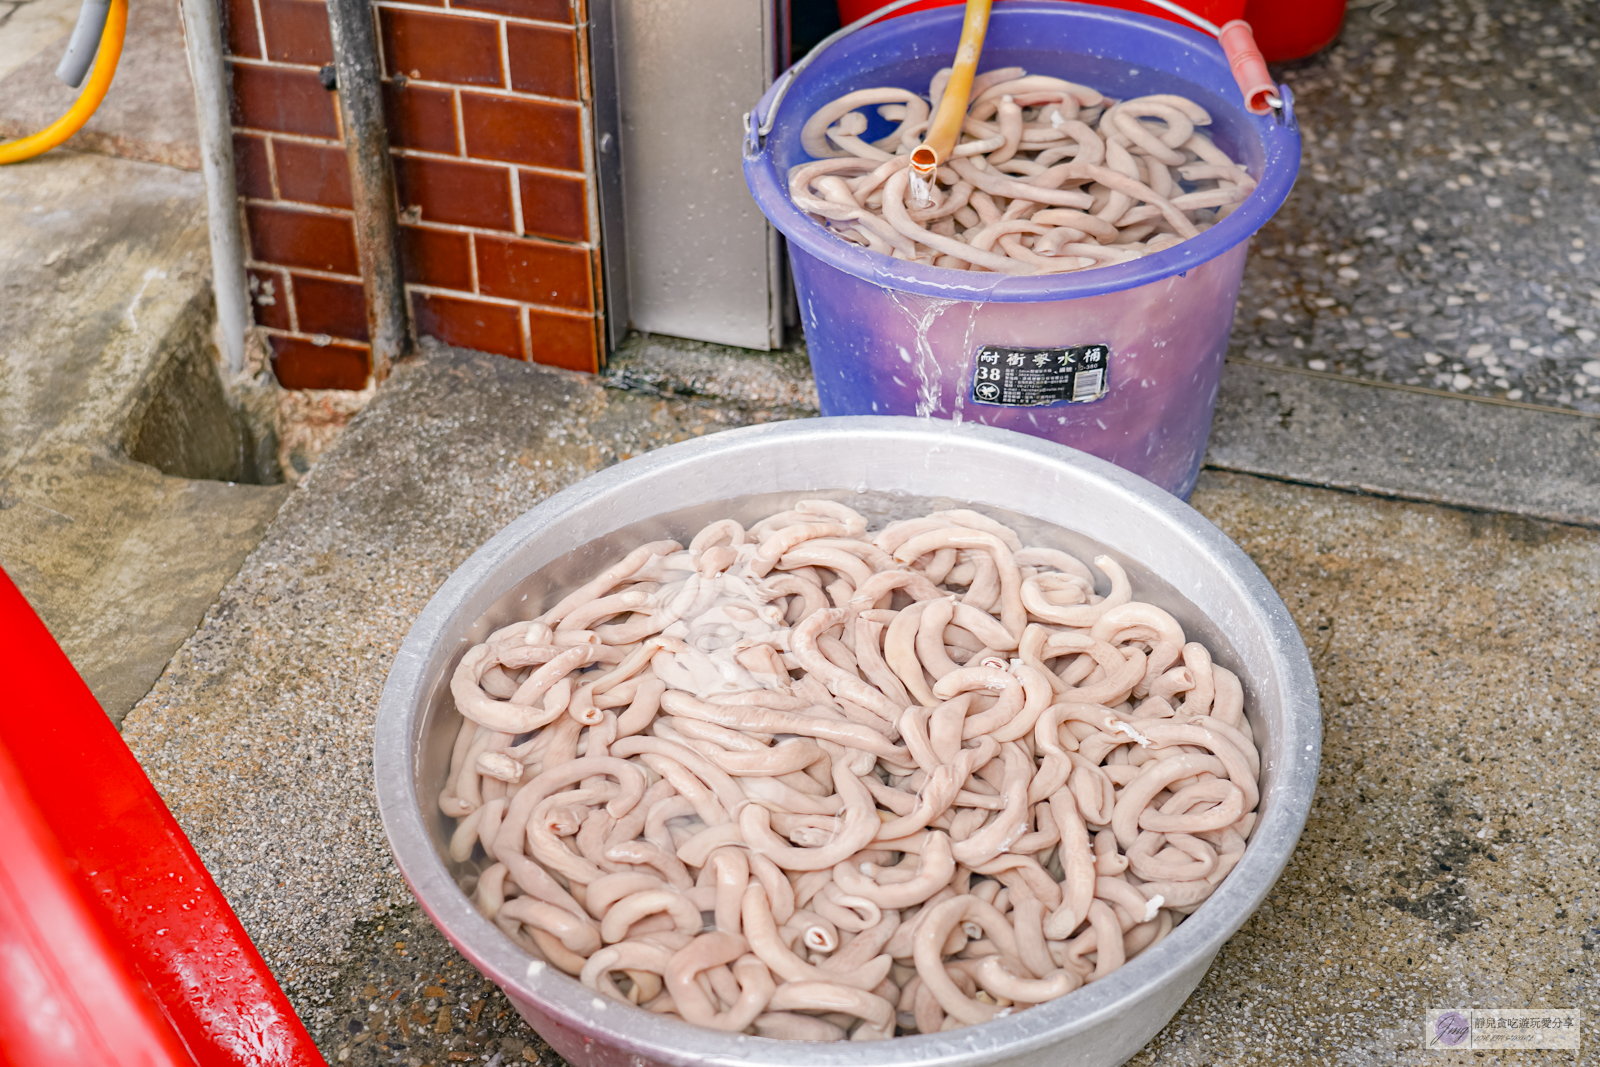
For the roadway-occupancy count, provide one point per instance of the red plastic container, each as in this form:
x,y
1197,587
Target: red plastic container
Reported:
x,y
1293,29
116,947
1284,29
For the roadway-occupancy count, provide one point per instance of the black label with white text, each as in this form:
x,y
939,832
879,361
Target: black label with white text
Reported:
x,y
1035,377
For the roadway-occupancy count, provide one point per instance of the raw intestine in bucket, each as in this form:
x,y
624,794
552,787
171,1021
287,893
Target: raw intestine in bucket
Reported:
x,y
1049,176
804,780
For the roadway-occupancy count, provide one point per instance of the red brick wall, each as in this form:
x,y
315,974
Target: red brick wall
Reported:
x,y
487,104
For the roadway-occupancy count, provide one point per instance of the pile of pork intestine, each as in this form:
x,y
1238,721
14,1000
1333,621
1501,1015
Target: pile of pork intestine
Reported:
x,y
738,784
1049,176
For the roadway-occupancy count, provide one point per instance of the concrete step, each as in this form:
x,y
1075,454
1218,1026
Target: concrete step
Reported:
x,y
1289,423
122,511
1413,444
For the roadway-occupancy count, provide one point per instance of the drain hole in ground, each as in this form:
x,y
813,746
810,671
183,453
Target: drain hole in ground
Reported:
x,y
191,428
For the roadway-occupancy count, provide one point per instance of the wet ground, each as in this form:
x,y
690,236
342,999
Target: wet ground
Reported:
x,y
1445,231
1448,860
1413,332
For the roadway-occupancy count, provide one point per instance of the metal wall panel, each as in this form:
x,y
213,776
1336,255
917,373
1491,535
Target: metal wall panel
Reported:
x,y
701,260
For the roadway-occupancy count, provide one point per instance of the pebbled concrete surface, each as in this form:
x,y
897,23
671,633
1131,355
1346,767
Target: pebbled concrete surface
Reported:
x,y
1448,860
1445,230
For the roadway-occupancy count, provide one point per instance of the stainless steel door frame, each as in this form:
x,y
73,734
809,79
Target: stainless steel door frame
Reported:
x,y
686,250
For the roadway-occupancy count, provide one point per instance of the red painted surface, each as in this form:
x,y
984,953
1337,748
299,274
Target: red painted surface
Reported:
x,y
1293,29
297,31
68,996
542,60
330,306
467,323
1284,29
103,861
312,173
1218,11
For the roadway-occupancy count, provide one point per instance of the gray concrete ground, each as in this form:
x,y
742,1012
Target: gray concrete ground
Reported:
x,y
27,27
279,684
674,367
1289,423
148,113
1446,862
119,516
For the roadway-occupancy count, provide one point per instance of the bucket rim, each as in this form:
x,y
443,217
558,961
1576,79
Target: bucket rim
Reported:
x,y
1280,141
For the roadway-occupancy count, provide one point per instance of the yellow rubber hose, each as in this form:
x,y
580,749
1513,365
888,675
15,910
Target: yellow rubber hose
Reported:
x,y
945,128
105,67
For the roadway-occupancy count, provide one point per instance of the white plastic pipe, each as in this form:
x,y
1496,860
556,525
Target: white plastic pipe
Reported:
x,y
203,39
84,42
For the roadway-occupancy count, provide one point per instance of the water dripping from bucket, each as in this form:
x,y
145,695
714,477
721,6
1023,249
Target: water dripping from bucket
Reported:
x,y
925,363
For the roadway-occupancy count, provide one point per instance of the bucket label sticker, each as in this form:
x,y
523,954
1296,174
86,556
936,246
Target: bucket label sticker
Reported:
x,y
1035,377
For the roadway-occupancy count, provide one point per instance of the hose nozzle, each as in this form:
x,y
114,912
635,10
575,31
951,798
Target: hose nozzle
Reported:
x,y
945,128
924,162
1249,67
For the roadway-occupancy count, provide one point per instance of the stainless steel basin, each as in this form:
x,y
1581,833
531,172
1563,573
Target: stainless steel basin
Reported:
x,y
885,468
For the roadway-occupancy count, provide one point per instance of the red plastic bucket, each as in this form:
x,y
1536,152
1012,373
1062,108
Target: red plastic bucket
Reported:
x,y
1284,29
1293,29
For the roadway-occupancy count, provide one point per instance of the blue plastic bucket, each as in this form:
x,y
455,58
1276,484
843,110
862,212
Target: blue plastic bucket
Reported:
x,y
887,337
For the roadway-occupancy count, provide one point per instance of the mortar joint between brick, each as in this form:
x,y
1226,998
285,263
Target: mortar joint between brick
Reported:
x,y
514,94
377,37
273,64
310,338
461,228
288,295
473,13
272,168
505,53
298,138
591,187
300,205
516,204
261,28
423,153
461,124
585,88
309,272
499,301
